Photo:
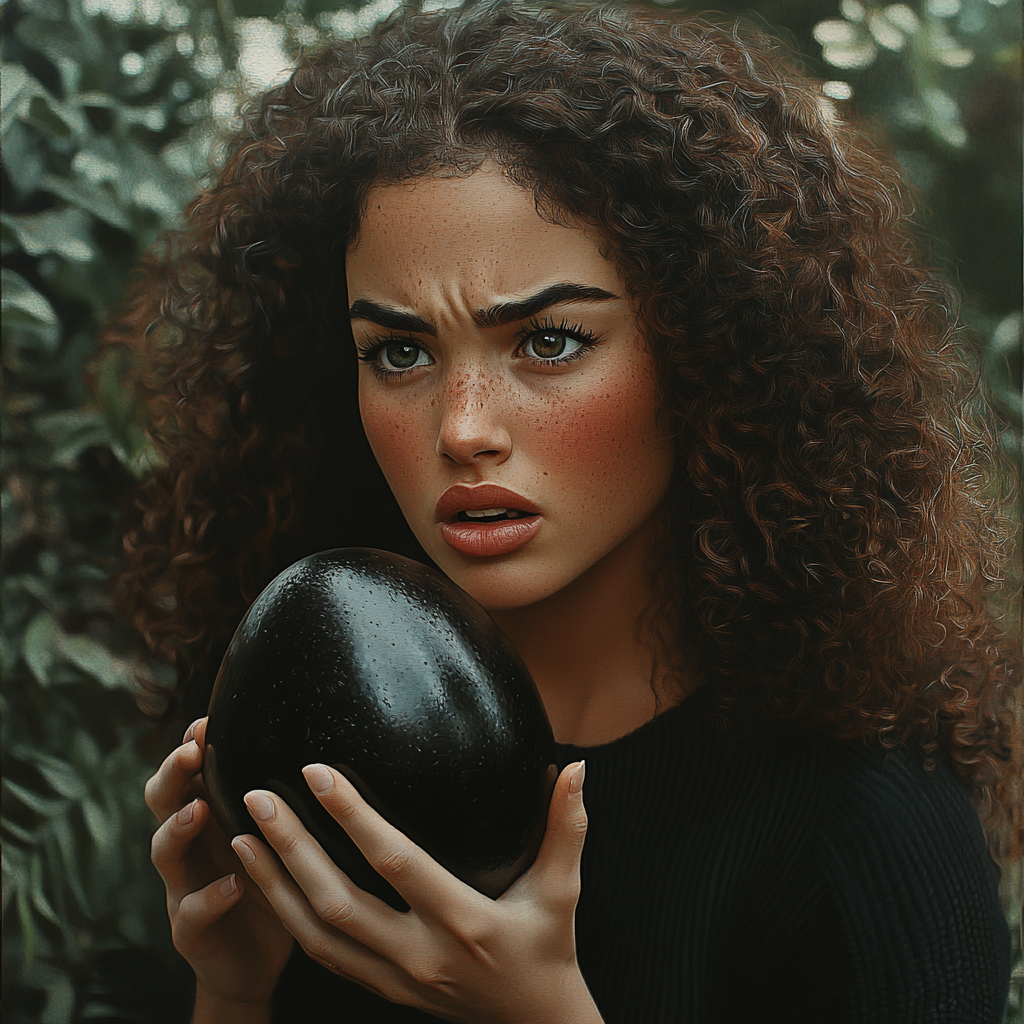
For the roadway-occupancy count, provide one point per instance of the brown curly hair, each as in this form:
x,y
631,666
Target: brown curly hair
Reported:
x,y
835,528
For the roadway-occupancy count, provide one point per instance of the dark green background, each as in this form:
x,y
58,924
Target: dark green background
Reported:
x,y
107,118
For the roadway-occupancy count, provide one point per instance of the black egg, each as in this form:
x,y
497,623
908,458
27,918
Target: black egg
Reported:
x,y
388,672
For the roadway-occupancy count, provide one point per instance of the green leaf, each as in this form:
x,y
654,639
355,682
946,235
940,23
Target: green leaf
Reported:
x,y
60,1001
28,924
62,232
46,806
68,847
28,313
60,40
96,661
61,775
88,196
39,900
17,87
39,648
71,432
103,827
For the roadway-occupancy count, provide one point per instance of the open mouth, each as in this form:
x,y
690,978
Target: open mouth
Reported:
x,y
490,515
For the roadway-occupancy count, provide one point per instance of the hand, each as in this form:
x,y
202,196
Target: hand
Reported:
x,y
455,953
232,938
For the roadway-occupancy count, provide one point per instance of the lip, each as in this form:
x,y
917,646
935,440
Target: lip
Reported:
x,y
485,540
460,497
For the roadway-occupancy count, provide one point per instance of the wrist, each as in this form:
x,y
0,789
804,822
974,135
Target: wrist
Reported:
x,y
212,1009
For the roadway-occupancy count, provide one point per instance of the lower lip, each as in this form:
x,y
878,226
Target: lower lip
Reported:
x,y
485,540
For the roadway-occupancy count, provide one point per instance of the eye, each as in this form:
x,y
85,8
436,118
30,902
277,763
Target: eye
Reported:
x,y
390,358
402,356
550,344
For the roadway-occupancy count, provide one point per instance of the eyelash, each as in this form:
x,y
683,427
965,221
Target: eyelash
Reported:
x,y
369,352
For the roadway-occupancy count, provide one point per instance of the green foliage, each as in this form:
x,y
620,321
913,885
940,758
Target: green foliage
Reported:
x,y
109,110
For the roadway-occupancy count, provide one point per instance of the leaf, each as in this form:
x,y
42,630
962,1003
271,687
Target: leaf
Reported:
x,y
89,196
101,828
39,900
27,311
71,432
95,661
60,1001
46,806
23,157
40,645
62,232
59,40
67,845
16,86
28,924
61,775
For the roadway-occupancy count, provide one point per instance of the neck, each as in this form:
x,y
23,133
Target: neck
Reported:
x,y
582,648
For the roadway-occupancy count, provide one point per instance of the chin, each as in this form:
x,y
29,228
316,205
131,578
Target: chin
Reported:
x,y
502,585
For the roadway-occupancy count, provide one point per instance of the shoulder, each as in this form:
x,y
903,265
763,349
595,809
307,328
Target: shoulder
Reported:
x,y
904,858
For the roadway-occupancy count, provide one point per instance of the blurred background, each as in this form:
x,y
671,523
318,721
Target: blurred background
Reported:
x,y
111,111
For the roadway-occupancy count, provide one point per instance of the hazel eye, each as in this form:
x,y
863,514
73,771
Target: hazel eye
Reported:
x,y
550,345
403,356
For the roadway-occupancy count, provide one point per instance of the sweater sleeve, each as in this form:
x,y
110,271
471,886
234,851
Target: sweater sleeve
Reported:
x,y
904,858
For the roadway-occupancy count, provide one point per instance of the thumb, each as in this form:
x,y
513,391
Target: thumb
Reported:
x,y
558,861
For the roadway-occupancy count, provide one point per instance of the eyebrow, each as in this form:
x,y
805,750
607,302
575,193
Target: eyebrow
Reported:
x,y
493,316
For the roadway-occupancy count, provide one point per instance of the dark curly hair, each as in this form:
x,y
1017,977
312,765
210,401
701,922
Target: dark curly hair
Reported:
x,y
835,527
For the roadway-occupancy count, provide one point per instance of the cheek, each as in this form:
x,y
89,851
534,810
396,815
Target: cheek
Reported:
x,y
604,449
400,444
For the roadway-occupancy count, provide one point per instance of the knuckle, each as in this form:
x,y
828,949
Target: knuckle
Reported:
x,y
319,949
397,865
477,935
578,825
287,843
336,912
345,809
428,973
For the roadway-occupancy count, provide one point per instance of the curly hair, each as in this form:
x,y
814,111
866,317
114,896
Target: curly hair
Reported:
x,y
836,527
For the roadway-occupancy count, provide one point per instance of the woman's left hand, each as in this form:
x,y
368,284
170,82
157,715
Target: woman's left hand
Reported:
x,y
455,953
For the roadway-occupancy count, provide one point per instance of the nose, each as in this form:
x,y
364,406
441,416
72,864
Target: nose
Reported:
x,y
473,426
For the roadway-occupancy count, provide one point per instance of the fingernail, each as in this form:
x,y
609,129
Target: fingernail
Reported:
x,y
319,778
186,814
576,782
260,807
190,731
227,887
244,851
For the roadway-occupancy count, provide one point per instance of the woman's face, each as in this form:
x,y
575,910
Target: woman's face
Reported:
x,y
499,350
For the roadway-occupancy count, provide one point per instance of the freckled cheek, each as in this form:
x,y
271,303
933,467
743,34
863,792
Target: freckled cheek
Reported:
x,y
604,448
400,443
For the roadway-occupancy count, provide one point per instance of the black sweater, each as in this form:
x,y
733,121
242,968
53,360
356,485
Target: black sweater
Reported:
x,y
761,878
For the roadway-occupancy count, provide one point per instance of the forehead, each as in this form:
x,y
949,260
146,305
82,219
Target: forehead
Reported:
x,y
480,236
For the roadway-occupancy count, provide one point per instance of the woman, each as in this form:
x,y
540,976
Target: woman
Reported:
x,y
647,358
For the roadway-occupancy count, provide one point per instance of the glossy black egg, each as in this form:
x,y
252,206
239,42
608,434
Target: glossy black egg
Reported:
x,y
388,672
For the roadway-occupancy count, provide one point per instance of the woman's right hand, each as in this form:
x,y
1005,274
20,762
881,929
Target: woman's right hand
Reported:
x,y
229,934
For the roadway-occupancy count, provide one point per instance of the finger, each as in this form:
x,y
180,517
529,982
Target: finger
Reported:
x,y
169,851
198,910
332,895
174,783
426,886
557,867
196,731
329,946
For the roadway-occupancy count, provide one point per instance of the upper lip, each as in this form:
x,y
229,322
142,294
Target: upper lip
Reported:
x,y
460,497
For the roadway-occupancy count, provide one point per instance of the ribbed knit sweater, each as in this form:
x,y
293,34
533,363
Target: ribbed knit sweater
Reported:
x,y
767,878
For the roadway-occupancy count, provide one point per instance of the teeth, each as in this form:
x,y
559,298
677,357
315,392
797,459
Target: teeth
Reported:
x,y
480,513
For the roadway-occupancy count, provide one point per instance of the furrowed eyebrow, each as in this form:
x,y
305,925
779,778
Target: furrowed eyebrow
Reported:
x,y
509,312
393,319
494,316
